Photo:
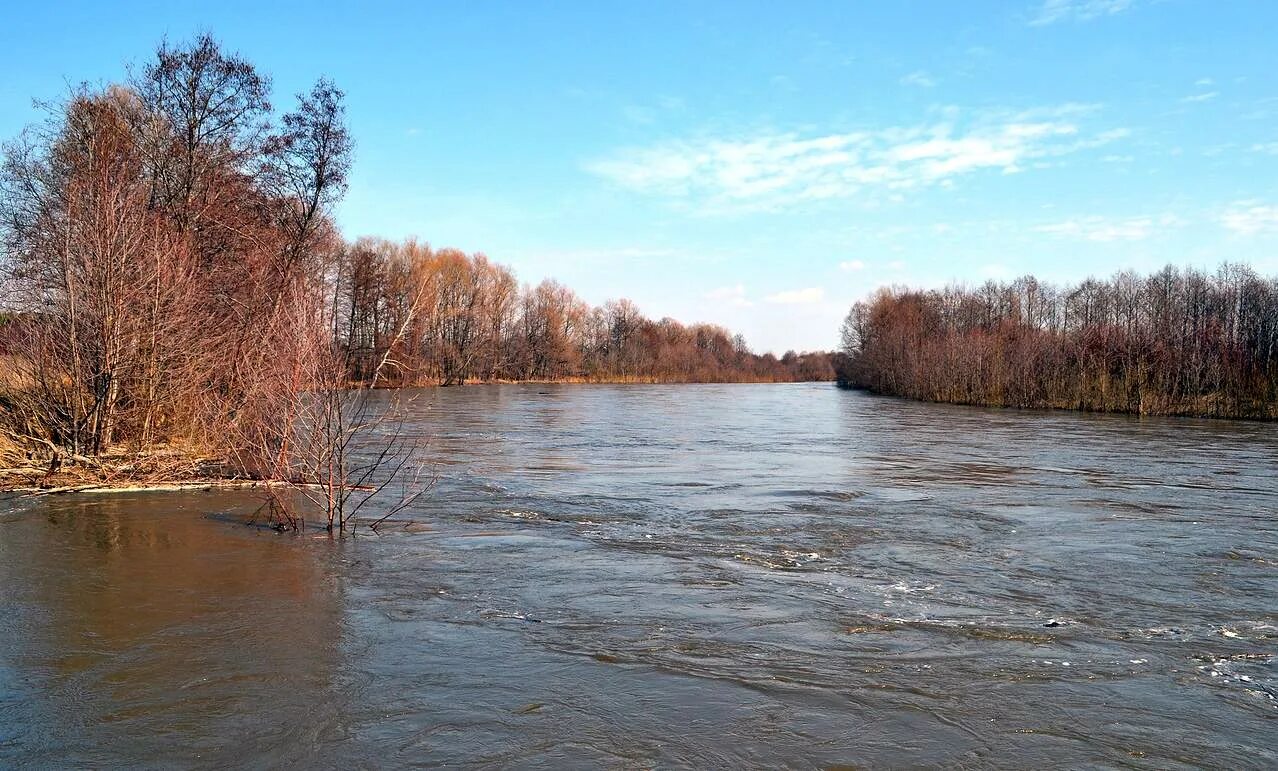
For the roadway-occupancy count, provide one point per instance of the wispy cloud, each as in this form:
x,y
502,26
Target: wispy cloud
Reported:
x,y
1268,148
1206,96
1108,229
918,78
851,266
775,170
1249,218
734,296
1053,11
808,296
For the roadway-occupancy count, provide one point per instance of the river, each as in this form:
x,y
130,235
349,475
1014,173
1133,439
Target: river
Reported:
x,y
667,576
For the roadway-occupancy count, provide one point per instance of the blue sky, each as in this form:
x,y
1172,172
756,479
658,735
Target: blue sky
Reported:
x,y
759,165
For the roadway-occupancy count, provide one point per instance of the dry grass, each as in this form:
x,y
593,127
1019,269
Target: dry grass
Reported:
x,y
27,461
14,375
13,382
12,454
163,467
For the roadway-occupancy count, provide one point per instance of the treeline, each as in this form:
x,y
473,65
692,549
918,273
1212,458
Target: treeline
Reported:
x,y
171,274
1178,342
447,317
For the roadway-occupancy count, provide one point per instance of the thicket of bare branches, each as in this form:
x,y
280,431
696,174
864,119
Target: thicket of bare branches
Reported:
x,y
166,243
472,321
343,446
1179,342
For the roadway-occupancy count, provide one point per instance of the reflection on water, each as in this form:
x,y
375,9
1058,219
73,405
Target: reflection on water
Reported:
x,y
136,628
692,575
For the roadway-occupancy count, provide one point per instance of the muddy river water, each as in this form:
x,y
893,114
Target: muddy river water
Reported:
x,y
653,576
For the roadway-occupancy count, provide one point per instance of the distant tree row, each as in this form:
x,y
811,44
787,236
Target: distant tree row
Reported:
x,y
1178,342
447,317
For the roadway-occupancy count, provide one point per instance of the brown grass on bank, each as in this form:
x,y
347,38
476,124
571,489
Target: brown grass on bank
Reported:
x,y
14,375
29,462
13,454
25,469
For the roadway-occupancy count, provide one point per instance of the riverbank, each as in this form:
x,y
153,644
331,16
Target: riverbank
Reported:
x,y
592,380
1206,407
159,468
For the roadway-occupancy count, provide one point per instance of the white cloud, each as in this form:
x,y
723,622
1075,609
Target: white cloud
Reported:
x,y
918,78
1108,230
1249,218
1053,11
1203,97
851,266
1105,137
1269,148
1204,82
734,296
809,296
775,170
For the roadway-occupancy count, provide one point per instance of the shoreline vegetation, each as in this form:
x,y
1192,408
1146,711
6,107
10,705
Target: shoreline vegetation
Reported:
x,y
177,305
1179,342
